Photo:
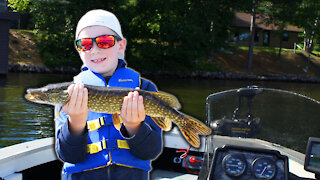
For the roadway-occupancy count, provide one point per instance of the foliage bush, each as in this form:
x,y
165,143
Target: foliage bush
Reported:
x,y
162,35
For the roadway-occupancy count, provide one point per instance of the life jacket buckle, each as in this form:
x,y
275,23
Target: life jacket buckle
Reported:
x,y
101,145
123,144
95,124
97,147
94,148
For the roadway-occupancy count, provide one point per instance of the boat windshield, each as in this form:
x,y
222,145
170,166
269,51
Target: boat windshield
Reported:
x,y
277,116
282,118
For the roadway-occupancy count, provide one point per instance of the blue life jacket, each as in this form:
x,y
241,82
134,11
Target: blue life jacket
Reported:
x,y
105,144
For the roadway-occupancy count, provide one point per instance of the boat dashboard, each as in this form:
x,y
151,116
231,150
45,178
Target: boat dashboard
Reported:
x,y
242,163
229,158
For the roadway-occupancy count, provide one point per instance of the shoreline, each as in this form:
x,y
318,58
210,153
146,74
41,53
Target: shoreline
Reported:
x,y
183,75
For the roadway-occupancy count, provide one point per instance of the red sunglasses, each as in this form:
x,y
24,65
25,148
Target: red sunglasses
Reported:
x,y
103,41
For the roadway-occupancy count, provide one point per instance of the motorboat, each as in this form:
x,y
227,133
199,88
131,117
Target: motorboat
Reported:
x,y
258,133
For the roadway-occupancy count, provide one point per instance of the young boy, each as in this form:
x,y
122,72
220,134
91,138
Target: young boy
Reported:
x,y
86,141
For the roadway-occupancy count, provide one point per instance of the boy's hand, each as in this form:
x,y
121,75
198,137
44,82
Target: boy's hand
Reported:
x,y
132,112
77,108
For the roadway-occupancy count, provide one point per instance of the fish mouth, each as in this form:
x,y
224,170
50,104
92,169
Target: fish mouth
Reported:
x,y
35,99
30,97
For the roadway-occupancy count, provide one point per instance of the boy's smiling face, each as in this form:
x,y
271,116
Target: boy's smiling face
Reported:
x,y
102,61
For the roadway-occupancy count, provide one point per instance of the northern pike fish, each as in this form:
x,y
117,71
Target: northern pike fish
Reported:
x,y
160,106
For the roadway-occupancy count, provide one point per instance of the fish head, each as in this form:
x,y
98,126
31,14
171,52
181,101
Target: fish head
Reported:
x,y
55,94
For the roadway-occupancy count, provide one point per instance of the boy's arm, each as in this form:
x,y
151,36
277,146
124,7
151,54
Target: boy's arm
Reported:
x,y
147,142
69,148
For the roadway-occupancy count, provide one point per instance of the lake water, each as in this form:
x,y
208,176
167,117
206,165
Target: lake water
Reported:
x,y
22,121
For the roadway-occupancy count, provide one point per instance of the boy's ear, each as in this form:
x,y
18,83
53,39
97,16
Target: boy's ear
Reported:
x,y
122,46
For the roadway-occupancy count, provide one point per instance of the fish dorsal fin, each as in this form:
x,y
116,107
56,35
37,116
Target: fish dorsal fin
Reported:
x,y
170,99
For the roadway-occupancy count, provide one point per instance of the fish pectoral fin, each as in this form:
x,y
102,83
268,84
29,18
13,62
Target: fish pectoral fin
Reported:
x,y
61,108
162,122
58,113
68,100
117,121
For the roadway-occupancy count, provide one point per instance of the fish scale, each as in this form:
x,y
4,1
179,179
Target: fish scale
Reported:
x,y
160,106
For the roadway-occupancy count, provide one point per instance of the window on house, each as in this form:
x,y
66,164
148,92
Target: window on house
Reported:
x,y
266,38
242,35
285,36
235,37
3,6
256,36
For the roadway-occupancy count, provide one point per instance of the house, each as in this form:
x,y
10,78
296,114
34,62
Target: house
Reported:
x,y
265,35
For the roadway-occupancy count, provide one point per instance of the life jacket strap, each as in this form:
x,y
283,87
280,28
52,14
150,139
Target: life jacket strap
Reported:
x,y
107,144
96,123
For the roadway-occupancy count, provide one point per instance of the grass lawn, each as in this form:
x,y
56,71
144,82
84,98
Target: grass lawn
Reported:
x,y
266,61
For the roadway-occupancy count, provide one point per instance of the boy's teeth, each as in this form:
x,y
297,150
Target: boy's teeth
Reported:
x,y
97,60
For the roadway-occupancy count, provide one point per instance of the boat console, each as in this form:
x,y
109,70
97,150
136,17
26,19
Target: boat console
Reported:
x,y
233,152
312,160
227,158
242,163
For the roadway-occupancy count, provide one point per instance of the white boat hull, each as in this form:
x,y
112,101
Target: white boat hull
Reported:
x,y
17,158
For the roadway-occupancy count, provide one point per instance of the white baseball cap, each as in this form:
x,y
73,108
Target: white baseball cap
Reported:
x,y
99,17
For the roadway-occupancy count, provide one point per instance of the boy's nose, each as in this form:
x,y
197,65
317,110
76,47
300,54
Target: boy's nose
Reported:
x,y
95,48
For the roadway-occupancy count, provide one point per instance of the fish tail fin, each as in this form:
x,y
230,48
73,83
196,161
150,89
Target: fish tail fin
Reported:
x,y
191,130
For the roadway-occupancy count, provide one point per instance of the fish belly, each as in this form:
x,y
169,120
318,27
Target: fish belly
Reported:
x,y
105,104
154,109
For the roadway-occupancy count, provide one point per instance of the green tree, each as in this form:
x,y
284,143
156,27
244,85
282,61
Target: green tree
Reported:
x,y
216,19
255,8
281,16
19,5
164,35
254,4
179,34
307,17
55,22
55,28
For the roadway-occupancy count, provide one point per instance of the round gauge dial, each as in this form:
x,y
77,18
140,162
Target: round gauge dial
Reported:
x,y
264,168
234,164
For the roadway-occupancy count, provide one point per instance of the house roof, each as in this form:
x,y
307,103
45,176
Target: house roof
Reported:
x,y
244,20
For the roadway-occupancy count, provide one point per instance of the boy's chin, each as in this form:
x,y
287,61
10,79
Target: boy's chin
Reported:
x,y
104,68
103,72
